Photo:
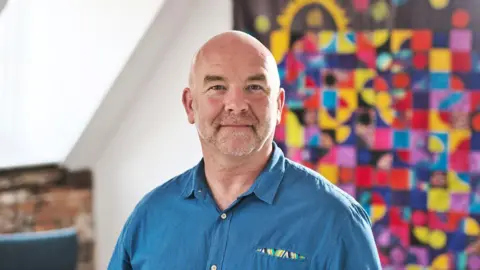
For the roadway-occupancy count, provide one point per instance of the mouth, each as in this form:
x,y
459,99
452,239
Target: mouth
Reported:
x,y
236,126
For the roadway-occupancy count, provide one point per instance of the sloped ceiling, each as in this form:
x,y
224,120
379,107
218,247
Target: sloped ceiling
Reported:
x,y
59,63
132,80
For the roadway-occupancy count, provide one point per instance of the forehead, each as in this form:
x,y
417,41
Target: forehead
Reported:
x,y
236,62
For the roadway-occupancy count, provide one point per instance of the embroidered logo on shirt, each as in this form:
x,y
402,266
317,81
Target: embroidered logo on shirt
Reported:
x,y
280,253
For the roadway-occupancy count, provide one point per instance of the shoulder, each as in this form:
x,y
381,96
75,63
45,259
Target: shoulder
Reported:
x,y
165,193
161,197
324,197
349,242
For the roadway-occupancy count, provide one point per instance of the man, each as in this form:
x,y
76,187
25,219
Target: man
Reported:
x,y
245,205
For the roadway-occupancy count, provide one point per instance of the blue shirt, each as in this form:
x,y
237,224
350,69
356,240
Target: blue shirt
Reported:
x,y
290,218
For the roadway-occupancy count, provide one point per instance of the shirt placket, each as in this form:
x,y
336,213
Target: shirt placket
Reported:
x,y
219,241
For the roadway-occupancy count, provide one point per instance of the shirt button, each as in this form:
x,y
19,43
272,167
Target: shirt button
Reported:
x,y
214,267
223,216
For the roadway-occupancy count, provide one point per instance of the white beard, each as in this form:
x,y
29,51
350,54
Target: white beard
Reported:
x,y
223,147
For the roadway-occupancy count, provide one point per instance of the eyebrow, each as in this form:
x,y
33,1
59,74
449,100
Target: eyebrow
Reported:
x,y
217,78
212,78
257,77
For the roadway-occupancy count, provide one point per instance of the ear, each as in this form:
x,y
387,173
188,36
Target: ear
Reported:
x,y
280,104
187,101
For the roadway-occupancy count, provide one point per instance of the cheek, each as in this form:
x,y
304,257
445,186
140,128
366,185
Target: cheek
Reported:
x,y
209,108
213,102
263,108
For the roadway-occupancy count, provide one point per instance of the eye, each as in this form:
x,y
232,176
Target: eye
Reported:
x,y
254,87
217,88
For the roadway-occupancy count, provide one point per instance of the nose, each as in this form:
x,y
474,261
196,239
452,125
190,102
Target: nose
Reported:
x,y
236,101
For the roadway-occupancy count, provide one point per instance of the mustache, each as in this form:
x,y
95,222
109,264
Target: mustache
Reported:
x,y
246,119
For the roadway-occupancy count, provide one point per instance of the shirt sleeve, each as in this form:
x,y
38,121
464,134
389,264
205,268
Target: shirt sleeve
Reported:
x,y
120,259
356,244
123,252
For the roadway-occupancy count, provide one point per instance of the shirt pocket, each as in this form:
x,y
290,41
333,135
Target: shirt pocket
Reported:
x,y
279,259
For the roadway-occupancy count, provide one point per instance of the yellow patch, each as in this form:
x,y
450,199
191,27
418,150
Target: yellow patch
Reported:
x,y
456,137
330,172
294,131
440,60
438,200
437,239
398,38
345,45
325,120
435,123
456,184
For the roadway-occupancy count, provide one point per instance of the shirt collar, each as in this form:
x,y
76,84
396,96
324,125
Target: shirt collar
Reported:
x,y
265,186
195,183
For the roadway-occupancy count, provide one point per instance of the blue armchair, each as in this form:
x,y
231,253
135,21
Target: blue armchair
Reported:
x,y
49,250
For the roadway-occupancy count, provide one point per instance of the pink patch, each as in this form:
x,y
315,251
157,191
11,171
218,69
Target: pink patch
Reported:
x,y
346,156
474,262
348,188
361,5
384,259
330,157
402,232
295,154
435,221
459,161
460,202
475,162
419,218
368,57
383,239
383,139
280,133
397,255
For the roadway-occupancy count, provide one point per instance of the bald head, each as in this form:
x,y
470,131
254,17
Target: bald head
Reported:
x,y
234,96
229,45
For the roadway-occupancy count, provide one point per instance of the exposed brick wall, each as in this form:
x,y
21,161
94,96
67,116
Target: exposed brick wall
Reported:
x,y
48,197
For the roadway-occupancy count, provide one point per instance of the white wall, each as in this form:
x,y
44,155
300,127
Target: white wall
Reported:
x,y
154,141
61,59
11,46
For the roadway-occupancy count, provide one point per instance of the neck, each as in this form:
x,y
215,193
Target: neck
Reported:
x,y
228,177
